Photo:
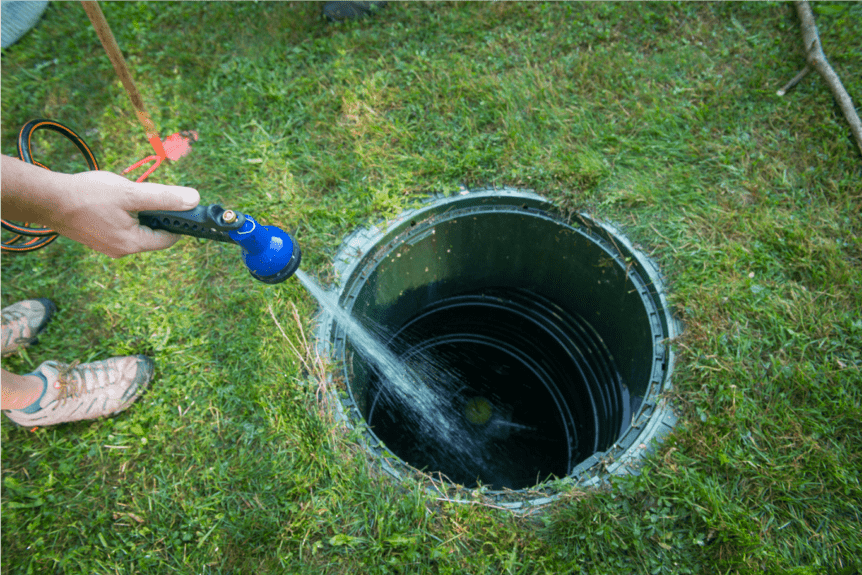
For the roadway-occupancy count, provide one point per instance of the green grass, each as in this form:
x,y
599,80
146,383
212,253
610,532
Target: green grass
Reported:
x,y
660,117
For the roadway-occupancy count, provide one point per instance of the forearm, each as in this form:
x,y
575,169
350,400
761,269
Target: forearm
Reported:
x,y
98,209
32,194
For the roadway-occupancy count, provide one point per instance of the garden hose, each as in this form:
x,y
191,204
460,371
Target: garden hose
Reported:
x,y
40,237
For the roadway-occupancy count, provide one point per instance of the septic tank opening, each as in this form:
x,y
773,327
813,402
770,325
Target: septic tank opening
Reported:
x,y
544,342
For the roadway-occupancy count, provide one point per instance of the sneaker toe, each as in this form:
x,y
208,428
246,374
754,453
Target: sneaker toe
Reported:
x,y
23,321
138,370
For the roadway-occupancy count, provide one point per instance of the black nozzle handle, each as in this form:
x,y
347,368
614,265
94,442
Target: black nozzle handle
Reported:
x,y
208,222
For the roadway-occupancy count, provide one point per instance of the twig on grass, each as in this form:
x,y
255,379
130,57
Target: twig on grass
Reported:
x,y
287,339
795,80
317,367
463,502
312,361
817,59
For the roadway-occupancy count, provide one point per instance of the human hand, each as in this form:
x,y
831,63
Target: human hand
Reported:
x,y
99,209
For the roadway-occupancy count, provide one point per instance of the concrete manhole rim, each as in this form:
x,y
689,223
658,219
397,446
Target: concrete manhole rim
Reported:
x,y
653,419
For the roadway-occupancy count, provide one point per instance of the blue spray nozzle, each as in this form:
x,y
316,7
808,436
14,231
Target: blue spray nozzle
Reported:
x,y
269,253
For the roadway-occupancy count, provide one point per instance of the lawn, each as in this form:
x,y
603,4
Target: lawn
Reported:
x,y
662,118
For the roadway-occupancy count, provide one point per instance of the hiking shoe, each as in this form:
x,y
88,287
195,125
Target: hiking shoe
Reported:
x,y
86,391
22,322
338,11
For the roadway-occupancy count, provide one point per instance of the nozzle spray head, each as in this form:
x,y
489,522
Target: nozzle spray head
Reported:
x,y
269,253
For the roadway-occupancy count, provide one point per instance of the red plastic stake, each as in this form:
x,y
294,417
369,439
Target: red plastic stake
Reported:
x,y
174,147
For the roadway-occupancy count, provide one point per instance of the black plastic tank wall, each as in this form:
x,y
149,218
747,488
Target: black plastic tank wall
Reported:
x,y
549,342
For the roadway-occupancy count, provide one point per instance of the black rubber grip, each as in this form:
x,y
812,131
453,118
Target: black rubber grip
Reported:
x,y
205,222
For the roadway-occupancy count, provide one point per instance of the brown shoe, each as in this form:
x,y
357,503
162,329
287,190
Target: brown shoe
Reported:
x,y
86,391
22,322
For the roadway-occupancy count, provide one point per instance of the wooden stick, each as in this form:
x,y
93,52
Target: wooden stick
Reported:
x,y
795,80
817,59
94,12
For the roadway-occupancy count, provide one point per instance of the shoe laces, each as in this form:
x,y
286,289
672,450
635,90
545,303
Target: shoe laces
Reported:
x,y
10,318
69,386
10,315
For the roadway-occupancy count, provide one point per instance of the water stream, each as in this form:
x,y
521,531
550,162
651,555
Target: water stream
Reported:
x,y
407,384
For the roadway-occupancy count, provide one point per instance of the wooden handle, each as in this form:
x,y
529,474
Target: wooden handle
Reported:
x,y
94,12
